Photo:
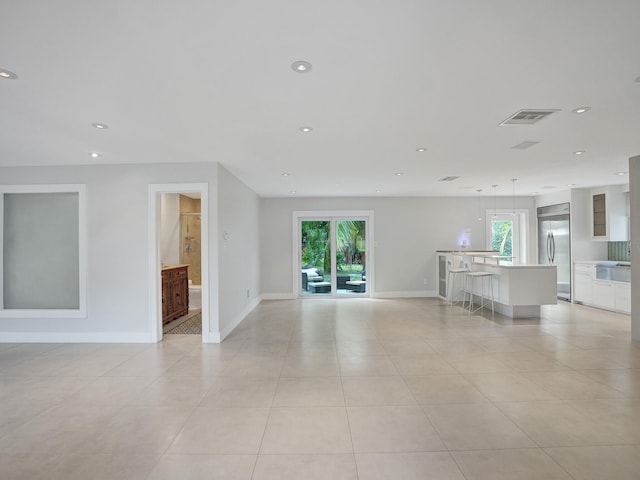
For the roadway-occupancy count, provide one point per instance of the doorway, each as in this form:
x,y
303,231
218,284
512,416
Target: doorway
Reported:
x,y
333,254
156,254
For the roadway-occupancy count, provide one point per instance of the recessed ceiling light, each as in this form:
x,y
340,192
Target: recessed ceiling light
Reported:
x,y
534,193
7,74
94,155
378,191
285,174
292,192
581,109
621,174
399,174
301,66
100,126
305,129
421,149
571,185
579,152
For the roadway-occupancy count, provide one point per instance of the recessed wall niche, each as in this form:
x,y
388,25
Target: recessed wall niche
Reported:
x,y
43,251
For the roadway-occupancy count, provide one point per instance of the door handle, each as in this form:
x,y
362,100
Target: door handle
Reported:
x,y
553,248
547,246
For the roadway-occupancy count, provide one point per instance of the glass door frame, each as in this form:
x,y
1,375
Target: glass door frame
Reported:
x,y
333,216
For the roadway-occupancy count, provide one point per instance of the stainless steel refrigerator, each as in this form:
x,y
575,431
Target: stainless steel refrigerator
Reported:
x,y
554,244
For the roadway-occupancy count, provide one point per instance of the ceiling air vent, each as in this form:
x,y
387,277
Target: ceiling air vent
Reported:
x,y
527,117
448,179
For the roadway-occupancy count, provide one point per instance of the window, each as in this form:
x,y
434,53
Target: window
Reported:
x,y
42,235
507,234
502,236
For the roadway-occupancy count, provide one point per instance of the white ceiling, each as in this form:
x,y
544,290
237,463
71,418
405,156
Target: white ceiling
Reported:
x,y
203,80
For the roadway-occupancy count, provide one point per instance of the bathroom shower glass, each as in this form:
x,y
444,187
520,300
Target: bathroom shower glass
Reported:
x,y
190,245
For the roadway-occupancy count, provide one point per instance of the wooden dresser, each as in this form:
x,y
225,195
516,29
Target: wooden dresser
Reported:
x,y
175,292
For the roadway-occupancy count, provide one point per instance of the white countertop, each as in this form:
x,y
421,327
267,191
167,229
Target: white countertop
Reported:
x,y
516,265
468,252
611,263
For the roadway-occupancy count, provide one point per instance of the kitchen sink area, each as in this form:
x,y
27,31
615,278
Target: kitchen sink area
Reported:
x,y
614,271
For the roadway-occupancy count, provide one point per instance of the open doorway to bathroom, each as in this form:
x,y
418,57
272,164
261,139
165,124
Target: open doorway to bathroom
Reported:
x,y
178,260
181,261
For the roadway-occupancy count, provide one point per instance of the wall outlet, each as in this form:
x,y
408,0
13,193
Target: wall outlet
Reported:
x,y
248,293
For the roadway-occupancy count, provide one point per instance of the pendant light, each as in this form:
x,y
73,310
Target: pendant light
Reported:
x,y
479,211
495,209
513,196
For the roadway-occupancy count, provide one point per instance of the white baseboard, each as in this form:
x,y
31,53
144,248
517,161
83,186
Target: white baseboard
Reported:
x,y
218,337
400,294
210,337
75,337
406,294
278,296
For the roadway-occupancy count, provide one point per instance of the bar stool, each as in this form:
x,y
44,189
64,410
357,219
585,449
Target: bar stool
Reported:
x,y
470,279
451,279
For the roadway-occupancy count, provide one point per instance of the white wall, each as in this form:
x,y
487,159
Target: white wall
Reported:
x,y
634,205
554,198
239,250
408,231
117,209
170,228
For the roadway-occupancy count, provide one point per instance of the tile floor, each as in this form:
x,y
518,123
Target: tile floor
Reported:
x,y
334,389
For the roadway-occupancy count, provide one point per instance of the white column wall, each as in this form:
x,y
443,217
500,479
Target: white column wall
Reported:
x,y
238,243
634,204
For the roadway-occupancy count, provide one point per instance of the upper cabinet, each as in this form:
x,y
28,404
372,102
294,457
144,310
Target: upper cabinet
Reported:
x,y
609,214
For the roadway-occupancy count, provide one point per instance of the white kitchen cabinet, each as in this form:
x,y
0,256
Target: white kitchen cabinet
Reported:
x,y
622,296
609,214
604,295
583,276
595,292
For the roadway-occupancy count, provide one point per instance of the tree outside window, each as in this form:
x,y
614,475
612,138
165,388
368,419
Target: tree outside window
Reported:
x,y
502,237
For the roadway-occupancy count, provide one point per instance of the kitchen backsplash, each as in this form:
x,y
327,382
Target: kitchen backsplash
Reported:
x,y
619,251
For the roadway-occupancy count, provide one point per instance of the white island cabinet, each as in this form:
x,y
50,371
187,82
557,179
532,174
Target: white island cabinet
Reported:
x,y
519,289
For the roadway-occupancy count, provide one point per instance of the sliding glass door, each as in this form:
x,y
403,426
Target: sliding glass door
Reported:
x,y
351,255
315,256
332,256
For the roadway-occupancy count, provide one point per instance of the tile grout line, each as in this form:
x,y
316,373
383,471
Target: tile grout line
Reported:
x,y
266,423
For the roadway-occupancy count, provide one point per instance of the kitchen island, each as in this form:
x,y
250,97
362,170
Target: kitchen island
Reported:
x,y
519,289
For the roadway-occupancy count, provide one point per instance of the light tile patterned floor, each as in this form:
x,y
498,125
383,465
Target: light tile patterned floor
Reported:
x,y
334,389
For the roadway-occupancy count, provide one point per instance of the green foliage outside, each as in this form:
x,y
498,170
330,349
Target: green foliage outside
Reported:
x,y
316,245
350,248
351,245
501,237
